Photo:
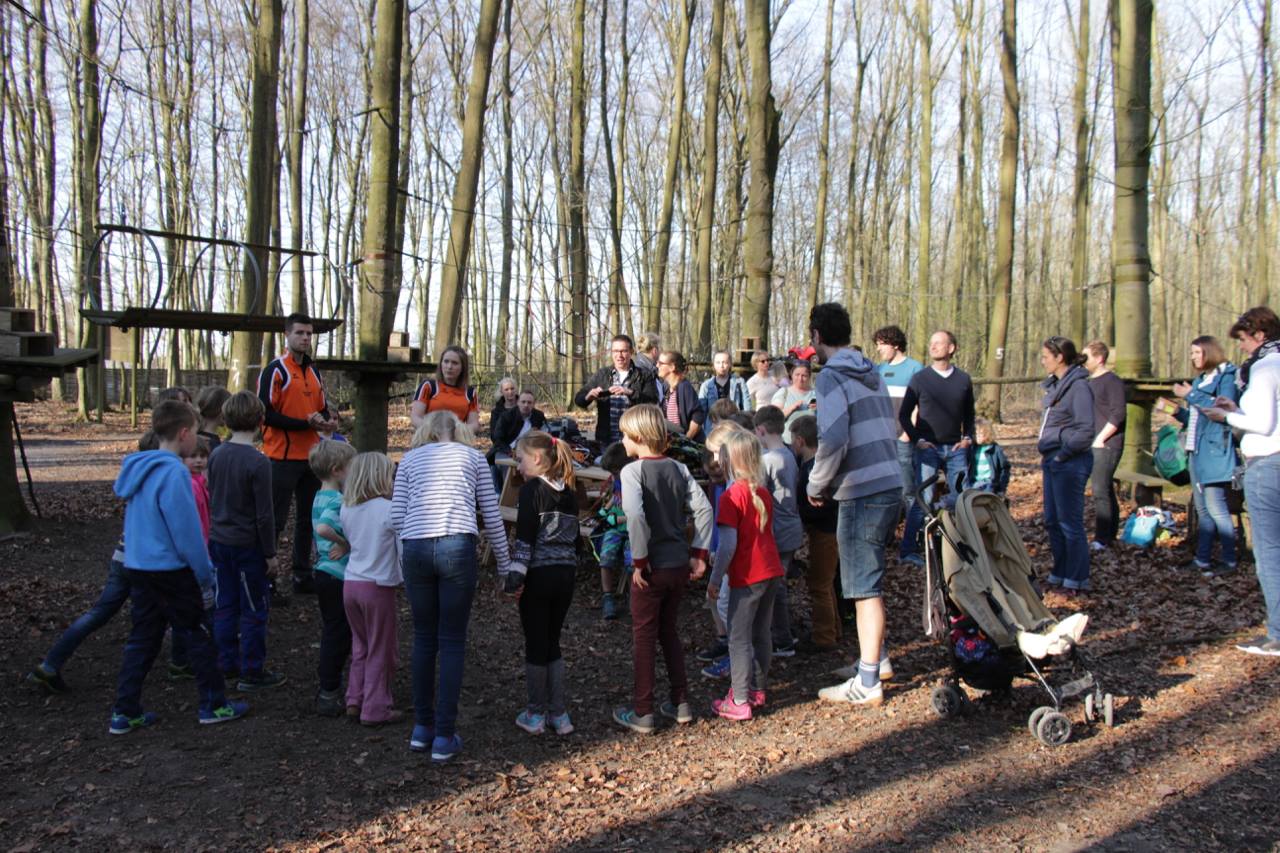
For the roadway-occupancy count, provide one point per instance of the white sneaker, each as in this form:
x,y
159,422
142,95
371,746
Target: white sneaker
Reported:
x,y
853,693
1095,545
886,669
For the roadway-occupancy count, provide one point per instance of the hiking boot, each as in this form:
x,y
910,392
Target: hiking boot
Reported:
x,y
609,606
715,651
534,724
852,692
1260,645
47,680
264,680
228,712
445,748
122,725
181,672
682,713
628,718
730,709
329,703
718,669
561,724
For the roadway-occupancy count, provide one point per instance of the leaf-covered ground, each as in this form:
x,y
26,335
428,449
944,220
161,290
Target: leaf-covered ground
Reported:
x,y
1190,764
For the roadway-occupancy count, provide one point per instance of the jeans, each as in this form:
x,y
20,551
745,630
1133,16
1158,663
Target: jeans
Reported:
x,y
440,579
159,599
655,611
335,633
290,478
242,601
110,600
750,638
1064,484
1262,492
544,604
1214,520
863,526
1106,509
928,463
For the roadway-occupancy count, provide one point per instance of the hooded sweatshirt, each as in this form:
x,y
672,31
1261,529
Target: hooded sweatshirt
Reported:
x,y
1067,428
857,433
161,525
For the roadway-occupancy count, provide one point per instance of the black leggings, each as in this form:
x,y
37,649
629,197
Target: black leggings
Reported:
x,y
544,604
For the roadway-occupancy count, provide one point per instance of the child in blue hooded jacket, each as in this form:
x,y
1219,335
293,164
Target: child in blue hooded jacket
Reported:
x,y
170,576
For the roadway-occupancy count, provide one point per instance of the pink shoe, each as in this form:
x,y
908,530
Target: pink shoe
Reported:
x,y
755,698
730,709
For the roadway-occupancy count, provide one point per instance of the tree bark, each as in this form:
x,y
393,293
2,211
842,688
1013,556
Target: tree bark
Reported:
x,y
1080,199
578,196
88,161
824,169
762,147
508,202
453,277
297,139
924,38
1005,214
710,166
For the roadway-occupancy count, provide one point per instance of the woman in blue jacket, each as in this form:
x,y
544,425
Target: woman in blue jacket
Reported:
x,y
1066,437
1211,451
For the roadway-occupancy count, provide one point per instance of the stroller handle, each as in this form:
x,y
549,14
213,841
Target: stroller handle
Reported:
x,y
937,478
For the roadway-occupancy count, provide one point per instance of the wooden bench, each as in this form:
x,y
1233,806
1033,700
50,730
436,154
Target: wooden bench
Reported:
x,y
1143,489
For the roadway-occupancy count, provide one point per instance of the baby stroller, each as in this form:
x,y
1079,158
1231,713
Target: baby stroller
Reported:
x,y
979,602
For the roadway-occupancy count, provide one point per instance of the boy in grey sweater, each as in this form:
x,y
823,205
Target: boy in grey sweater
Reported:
x,y
781,474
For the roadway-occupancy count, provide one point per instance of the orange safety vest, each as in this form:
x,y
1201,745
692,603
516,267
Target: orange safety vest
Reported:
x,y
291,390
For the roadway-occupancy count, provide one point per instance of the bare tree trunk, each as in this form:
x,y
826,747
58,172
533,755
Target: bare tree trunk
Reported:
x,y
762,145
89,156
454,275
924,37
854,199
246,347
1080,200
297,139
508,202
380,272
824,169
710,166
1005,215
1265,240
578,196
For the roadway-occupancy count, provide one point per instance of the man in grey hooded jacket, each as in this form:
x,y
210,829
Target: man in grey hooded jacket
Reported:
x,y
857,466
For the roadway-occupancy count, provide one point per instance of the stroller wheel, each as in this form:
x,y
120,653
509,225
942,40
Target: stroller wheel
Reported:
x,y
947,700
1054,729
1033,722
1108,710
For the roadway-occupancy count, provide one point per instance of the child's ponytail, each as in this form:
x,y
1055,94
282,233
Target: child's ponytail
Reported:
x,y
555,453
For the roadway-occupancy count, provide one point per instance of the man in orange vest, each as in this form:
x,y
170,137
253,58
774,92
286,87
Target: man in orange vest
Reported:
x,y
297,414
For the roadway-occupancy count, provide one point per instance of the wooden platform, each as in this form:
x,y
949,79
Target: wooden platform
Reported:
x,y
57,364
163,318
355,368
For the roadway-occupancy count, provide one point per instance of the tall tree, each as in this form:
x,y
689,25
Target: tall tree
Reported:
x,y
578,196
824,169
508,200
1265,240
1131,263
619,304
924,37
710,166
88,162
453,278
762,153
1080,195
297,139
246,347
1005,214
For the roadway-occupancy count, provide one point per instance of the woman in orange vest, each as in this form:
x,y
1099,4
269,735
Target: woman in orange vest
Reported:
x,y
449,391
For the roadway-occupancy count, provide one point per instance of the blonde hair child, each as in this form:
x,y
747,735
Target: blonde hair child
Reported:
x,y
369,588
544,559
748,557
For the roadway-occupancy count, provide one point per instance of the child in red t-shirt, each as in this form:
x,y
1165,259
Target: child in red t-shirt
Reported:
x,y
749,555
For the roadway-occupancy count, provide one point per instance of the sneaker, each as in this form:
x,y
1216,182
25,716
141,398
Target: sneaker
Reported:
x,y
1218,569
1194,566
809,647
122,725
853,693
682,713
913,560
304,584
731,710
1095,545
1261,645
784,650
628,718
181,672
420,740
609,606
329,704
264,680
228,712
886,669
755,698
445,748
718,669
715,651
561,724
393,716
47,680
534,724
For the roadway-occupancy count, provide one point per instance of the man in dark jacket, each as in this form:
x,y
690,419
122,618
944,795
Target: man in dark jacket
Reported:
x,y
511,425
615,389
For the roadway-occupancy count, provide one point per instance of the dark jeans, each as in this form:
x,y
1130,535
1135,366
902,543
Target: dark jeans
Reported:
x,y
544,604
654,613
335,633
1064,519
1214,520
242,602
159,599
440,579
1106,509
928,463
293,478
110,600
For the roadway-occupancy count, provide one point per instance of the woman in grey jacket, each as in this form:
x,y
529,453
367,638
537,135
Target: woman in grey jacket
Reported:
x,y
1066,434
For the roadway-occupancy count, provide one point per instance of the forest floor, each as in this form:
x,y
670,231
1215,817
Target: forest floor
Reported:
x,y
1190,764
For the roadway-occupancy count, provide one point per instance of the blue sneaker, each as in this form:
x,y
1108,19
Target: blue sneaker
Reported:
x,y
444,748
225,714
534,724
122,725
420,740
913,560
718,669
